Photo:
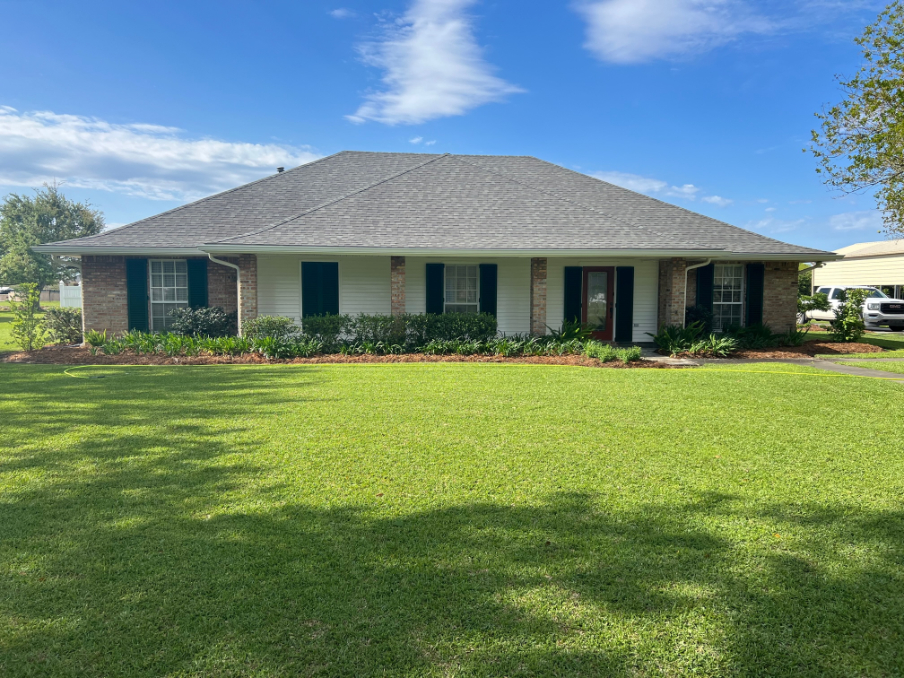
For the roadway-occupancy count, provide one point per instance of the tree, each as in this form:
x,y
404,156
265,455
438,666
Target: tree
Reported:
x,y
47,217
861,144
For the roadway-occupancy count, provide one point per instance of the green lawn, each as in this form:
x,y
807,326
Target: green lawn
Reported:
x,y
450,520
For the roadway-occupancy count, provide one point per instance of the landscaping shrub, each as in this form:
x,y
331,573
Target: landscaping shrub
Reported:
x,y
600,351
95,338
204,322
28,329
848,324
327,329
676,339
571,330
64,325
753,336
628,355
273,326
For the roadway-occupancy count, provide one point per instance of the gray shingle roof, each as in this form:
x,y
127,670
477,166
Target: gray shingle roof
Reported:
x,y
457,202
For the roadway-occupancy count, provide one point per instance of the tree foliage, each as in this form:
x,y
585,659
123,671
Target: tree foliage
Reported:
x,y
28,329
861,143
47,217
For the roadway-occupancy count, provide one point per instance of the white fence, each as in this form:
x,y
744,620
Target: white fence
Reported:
x,y
71,296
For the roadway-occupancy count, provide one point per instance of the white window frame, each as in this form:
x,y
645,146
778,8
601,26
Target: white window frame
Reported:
x,y
446,302
175,303
717,320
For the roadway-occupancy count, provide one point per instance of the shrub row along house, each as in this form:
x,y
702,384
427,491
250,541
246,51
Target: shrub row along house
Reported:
x,y
525,240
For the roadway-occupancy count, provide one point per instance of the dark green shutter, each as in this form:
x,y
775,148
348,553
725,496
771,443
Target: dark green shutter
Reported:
x,y
436,280
756,278
574,280
197,282
489,279
137,293
624,303
319,288
705,286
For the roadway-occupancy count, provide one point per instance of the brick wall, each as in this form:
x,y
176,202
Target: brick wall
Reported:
x,y
397,284
105,303
248,292
780,295
672,275
538,268
221,289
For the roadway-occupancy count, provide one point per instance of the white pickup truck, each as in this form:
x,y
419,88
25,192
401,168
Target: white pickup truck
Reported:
x,y
878,309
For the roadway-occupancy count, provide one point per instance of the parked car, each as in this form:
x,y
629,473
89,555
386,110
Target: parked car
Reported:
x,y
878,309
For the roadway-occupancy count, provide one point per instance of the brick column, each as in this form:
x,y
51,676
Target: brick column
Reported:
x,y
397,284
538,296
105,303
248,288
672,280
780,295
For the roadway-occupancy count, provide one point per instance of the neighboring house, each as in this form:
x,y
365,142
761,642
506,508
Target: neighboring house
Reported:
x,y
528,241
876,264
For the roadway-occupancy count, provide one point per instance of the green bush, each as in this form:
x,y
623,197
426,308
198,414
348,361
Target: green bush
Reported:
x,y
699,314
64,325
203,322
95,338
674,339
28,329
272,326
571,330
628,355
600,351
848,324
753,336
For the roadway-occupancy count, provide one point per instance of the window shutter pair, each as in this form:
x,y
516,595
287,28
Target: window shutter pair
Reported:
x,y
436,292
319,288
137,289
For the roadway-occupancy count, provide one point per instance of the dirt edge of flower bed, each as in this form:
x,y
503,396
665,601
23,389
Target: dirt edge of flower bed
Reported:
x,y
70,355
809,349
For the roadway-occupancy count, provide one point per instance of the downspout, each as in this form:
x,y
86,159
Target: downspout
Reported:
x,y
691,268
238,288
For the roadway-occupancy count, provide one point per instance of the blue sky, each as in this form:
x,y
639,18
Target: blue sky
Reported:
x,y
140,107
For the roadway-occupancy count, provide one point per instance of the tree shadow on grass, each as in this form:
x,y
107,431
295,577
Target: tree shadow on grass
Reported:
x,y
476,589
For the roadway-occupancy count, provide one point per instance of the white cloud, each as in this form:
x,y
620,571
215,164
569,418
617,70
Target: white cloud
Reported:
x,y
857,221
770,209
149,161
342,13
717,200
433,67
648,185
416,140
430,143
635,31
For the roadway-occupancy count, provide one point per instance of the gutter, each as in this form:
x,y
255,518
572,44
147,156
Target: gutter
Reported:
x,y
238,289
691,268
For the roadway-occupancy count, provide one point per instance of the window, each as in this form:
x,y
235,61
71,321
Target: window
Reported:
x,y
169,290
728,283
824,290
836,294
461,289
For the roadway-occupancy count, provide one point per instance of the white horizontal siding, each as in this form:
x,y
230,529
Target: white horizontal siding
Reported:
x,y
869,271
513,292
646,291
364,284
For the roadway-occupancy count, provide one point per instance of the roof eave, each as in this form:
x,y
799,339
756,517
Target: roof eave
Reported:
x,y
113,250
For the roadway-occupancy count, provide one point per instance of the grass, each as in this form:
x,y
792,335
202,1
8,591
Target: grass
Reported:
x,y
879,365
449,520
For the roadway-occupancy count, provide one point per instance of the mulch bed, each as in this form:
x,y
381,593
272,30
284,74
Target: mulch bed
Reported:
x,y
69,355
807,350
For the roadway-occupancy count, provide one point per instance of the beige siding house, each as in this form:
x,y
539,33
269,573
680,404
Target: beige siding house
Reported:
x,y
877,264
530,242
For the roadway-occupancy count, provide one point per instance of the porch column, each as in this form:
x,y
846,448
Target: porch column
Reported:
x,y
397,284
538,296
672,281
248,287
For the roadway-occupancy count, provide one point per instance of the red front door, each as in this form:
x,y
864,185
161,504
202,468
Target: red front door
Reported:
x,y
599,293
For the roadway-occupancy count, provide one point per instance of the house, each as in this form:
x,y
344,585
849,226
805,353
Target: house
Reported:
x,y
877,264
528,241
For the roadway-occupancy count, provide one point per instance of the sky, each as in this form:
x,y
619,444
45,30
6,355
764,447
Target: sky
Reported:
x,y
708,104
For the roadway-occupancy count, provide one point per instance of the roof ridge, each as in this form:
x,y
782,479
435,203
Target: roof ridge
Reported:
x,y
333,201
209,197
580,204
